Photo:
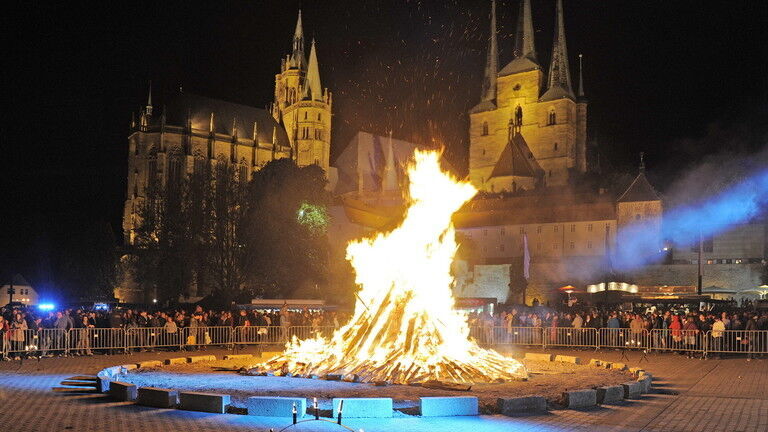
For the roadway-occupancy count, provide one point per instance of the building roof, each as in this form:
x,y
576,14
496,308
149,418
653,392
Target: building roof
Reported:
x,y
517,160
639,190
228,117
535,209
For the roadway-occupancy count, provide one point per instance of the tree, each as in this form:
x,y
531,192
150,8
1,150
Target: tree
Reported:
x,y
285,229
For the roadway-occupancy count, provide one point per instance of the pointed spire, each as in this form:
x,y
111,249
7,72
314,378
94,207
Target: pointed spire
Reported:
x,y
641,169
313,88
256,132
524,43
492,60
133,120
148,108
580,92
559,80
210,123
234,127
297,57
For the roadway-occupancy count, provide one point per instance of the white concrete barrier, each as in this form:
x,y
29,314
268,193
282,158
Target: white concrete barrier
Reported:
x,y
448,406
363,407
149,364
176,360
275,406
568,359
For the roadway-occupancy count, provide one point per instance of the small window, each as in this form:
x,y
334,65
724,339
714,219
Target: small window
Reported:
x,y
555,146
738,261
710,261
501,248
485,232
550,173
589,228
555,228
554,246
728,261
483,152
589,244
572,245
522,230
485,128
552,119
306,114
538,229
573,228
319,117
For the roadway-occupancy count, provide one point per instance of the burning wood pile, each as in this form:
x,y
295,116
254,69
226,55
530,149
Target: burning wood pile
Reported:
x,y
405,329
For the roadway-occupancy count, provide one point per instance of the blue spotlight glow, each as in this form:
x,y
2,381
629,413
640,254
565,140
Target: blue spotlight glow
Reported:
x,y
46,306
683,225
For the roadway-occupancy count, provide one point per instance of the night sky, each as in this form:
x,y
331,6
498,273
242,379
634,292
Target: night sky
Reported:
x,y
679,80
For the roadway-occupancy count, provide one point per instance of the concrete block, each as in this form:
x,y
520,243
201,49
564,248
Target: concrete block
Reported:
x,y
618,366
539,357
632,390
176,360
206,402
595,362
636,371
606,365
363,407
238,357
102,384
448,406
645,383
150,364
274,406
580,398
568,359
122,391
521,405
201,358
157,397
127,367
610,394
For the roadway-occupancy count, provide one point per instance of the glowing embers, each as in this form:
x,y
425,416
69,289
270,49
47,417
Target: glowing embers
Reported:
x,y
405,328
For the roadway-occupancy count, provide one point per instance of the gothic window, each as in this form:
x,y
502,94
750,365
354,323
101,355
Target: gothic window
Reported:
x,y
502,231
483,152
573,228
319,117
589,227
306,114
552,119
538,229
555,228
485,128
243,172
555,146
550,173
519,115
522,230
571,245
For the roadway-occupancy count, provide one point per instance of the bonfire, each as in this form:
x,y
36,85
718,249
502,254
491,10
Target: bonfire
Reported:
x,y
405,328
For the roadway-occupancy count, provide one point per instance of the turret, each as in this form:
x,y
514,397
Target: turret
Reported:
x,y
297,58
313,90
581,122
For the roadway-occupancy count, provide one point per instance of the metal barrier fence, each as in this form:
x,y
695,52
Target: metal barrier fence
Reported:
x,y
86,341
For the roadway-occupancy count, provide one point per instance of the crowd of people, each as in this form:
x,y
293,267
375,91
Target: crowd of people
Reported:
x,y
680,330
26,333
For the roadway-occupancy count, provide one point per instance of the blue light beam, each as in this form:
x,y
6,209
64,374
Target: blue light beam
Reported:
x,y
683,225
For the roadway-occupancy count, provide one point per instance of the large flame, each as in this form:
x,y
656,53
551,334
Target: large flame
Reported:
x,y
405,328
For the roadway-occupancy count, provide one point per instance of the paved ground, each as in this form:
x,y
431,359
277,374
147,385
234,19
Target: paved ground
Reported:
x,y
691,395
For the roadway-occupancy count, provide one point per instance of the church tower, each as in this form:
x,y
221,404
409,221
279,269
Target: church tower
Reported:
x,y
302,105
523,114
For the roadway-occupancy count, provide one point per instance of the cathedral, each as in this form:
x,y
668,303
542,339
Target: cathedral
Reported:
x,y
529,128
192,129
